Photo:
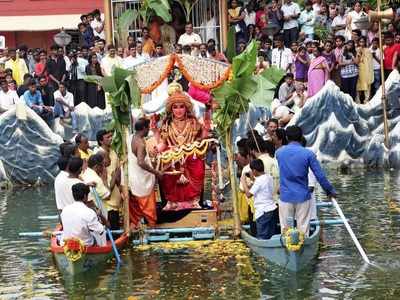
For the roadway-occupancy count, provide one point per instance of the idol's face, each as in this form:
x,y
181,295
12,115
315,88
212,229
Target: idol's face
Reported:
x,y
179,110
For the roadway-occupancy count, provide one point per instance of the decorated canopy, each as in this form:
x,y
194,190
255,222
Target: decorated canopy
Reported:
x,y
200,72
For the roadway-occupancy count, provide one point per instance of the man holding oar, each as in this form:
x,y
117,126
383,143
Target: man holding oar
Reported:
x,y
96,175
294,163
80,221
63,185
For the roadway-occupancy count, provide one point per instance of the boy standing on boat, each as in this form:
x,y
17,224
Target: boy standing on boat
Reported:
x,y
294,163
264,204
112,176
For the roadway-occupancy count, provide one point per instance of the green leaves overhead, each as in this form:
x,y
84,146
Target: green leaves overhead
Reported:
x,y
123,23
266,84
123,92
187,6
244,64
161,8
234,96
150,8
273,75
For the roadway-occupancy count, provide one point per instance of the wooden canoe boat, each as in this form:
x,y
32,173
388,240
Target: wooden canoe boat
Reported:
x,y
91,258
274,250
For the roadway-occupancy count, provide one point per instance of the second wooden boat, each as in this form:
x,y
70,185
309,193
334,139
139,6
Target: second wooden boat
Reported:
x,y
275,251
90,257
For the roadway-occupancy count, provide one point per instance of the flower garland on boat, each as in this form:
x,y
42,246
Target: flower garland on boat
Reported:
x,y
197,148
73,249
288,239
175,59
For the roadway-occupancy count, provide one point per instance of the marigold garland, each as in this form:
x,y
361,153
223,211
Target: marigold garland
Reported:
x,y
288,240
73,249
176,59
197,148
163,76
199,85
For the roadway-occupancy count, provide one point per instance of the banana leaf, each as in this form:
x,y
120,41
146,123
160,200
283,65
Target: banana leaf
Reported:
x,y
93,79
123,23
244,64
108,84
264,94
245,86
161,9
120,75
134,91
126,19
273,75
223,92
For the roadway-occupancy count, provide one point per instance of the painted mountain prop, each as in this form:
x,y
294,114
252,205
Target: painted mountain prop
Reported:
x,y
339,130
28,148
3,175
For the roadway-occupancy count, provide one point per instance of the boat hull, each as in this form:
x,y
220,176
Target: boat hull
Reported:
x,y
93,258
274,251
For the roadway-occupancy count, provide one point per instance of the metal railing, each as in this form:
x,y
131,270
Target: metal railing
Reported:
x,y
205,17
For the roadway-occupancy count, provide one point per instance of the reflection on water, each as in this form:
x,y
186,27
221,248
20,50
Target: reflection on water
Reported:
x,y
370,199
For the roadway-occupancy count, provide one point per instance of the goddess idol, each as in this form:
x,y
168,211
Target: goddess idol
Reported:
x,y
181,147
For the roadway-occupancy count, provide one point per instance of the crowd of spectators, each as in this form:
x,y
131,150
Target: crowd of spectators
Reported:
x,y
311,42
315,41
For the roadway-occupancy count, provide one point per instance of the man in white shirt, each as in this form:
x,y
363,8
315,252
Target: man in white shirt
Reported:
x,y
93,175
64,105
132,60
8,98
339,22
110,61
266,213
62,164
307,20
139,52
190,38
281,56
291,12
97,25
81,222
64,182
376,64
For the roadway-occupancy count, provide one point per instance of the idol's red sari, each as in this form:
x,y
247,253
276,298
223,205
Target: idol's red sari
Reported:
x,y
184,196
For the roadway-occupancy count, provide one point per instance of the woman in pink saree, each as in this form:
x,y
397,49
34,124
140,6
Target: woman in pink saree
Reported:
x,y
318,73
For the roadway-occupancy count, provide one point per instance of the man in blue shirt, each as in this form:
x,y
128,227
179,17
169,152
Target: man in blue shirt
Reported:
x,y
33,99
294,163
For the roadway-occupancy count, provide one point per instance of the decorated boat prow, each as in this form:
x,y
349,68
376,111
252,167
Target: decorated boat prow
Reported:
x,y
281,250
75,258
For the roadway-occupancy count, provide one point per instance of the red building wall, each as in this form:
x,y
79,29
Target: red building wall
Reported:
x,y
47,7
41,39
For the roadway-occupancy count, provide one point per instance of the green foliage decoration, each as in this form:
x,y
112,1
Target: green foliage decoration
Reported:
x,y
187,6
150,8
235,95
123,93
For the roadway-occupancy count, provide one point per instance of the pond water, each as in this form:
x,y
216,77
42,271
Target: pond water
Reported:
x,y
216,270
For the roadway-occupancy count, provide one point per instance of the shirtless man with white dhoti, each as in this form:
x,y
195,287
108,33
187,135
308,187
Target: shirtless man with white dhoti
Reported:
x,y
142,177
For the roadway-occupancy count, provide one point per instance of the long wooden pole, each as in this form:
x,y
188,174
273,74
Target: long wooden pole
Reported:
x,y
107,21
224,23
125,189
383,96
350,231
232,176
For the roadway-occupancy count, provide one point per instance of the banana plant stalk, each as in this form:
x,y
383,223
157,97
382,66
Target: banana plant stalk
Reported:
x,y
232,177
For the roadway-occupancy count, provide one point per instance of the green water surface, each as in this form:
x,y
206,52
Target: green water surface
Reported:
x,y
371,200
